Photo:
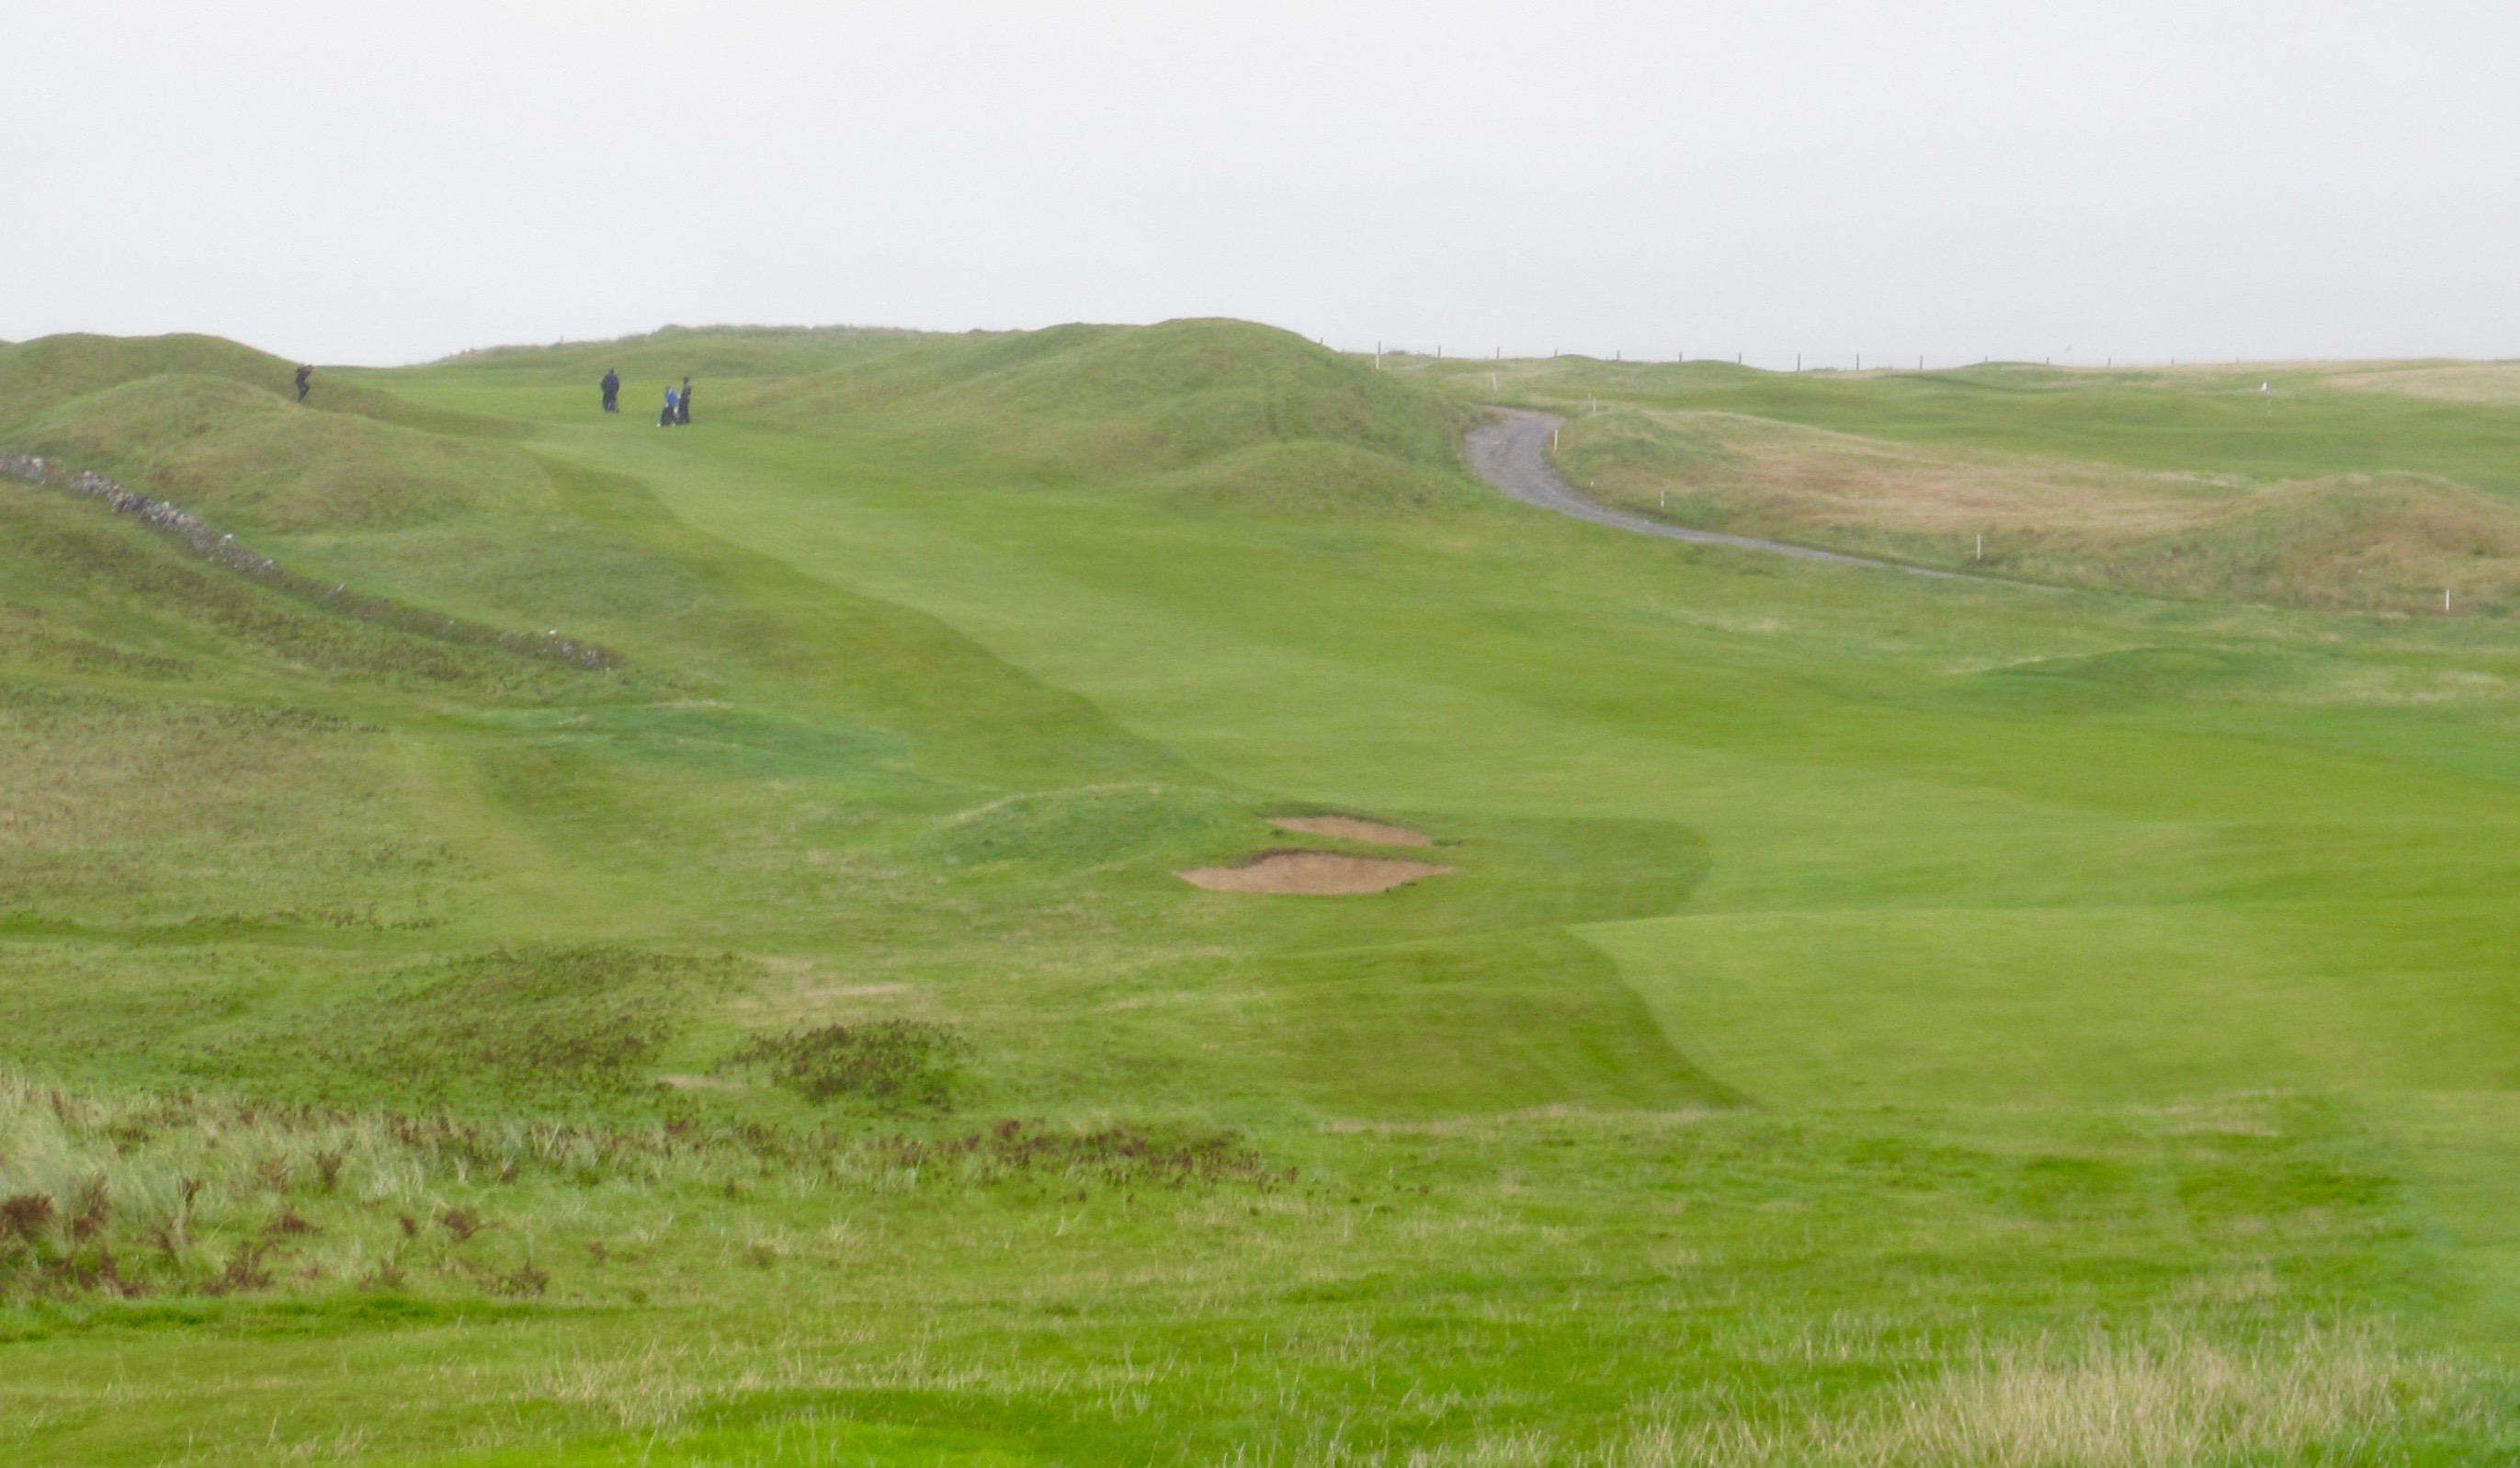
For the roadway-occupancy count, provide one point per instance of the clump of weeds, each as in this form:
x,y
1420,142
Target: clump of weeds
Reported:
x,y
248,1270
894,1064
523,1282
26,1215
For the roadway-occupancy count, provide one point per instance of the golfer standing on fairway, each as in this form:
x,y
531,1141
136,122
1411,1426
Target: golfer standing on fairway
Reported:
x,y
673,403
682,407
611,385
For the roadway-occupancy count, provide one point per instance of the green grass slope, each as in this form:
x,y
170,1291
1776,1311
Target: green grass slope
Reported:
x,y
245,456
1869,1019
1117,401
711,352
38,375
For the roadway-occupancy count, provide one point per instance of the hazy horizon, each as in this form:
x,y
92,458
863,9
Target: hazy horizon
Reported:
x,y
1871,364
2139,183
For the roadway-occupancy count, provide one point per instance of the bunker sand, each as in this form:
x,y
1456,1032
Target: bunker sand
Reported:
x,y
1348,828
1312,874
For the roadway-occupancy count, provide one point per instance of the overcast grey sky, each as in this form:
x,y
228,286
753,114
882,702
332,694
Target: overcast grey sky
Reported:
x,y
371,183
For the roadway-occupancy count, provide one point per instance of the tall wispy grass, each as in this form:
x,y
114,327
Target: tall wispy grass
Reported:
x,y
171,1194
2169,1398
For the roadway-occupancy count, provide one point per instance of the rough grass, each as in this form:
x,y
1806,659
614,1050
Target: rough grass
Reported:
x,y
524,1032
2171,1400
2463,382
1566,1288
896,1065
39,376
175,1194
706,354
2321,1396
2386,542
1112,401
123,813
78,563
244,457
2213,420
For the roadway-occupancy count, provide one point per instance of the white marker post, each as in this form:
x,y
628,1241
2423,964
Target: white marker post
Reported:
x,y
1981,547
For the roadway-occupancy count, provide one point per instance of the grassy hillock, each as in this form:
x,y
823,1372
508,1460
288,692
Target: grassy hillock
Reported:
x,y
248,457
709,353
42,375
1852,1019
35,376
1106,402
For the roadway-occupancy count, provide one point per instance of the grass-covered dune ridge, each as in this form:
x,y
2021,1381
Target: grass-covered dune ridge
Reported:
x,y
1122,400
248,457
44,374
1866,1020
711,352
38,375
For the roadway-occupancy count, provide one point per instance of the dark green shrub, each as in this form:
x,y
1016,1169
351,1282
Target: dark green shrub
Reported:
x,y
896,1065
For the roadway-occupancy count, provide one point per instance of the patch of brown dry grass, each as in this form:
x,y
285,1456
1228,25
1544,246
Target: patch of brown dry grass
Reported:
x,y
2463,382
2381,542
1787,476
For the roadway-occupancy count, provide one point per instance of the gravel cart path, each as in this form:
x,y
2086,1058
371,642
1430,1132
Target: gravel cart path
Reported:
x,y
1513,454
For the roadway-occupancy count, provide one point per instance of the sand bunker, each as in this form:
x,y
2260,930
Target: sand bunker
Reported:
x,y
1312,874
1349,829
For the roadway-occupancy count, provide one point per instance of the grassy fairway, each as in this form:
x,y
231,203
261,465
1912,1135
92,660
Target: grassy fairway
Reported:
x,y
1871,1018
